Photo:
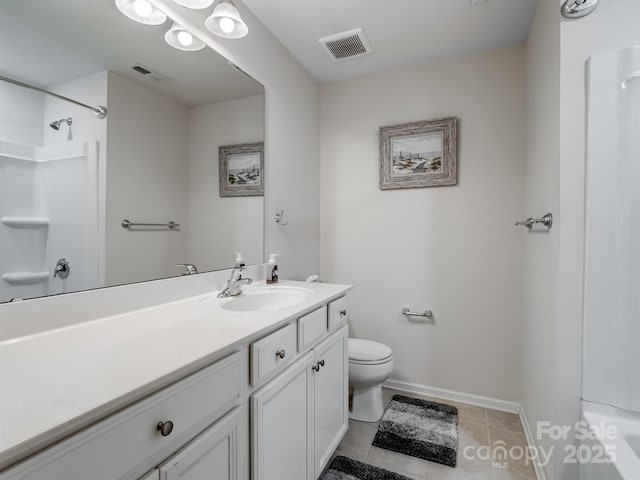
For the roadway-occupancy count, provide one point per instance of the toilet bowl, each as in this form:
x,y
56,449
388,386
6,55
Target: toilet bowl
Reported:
x,y
370,364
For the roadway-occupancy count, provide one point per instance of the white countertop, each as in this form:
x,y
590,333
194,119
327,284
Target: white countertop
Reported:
x,y
57,382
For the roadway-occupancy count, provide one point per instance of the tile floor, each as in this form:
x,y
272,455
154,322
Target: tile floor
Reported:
x,y
476,427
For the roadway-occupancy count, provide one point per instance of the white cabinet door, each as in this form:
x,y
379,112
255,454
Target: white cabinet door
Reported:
x,y
331,396
282,425
213,455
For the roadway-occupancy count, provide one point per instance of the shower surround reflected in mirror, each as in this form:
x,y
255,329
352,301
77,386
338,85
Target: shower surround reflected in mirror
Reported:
x,y
154,158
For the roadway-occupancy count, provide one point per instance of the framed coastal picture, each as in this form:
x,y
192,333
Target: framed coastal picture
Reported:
x,y
419,154
241,169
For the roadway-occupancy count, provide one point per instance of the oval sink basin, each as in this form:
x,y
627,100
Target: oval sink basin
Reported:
x,y
261,298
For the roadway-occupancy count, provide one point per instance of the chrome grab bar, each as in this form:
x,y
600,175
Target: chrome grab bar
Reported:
x,y
408,313
546,220
129,224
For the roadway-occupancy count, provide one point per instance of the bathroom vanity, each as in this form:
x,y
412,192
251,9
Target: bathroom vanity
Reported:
x,y
250,387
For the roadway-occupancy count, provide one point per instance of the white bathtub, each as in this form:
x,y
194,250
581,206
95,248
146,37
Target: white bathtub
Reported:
x,y
623,461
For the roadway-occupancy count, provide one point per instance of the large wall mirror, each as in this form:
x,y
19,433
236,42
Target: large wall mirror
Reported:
x,y
68,179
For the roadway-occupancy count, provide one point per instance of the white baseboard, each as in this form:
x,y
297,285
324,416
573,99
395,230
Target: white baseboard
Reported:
x,y
454,396
531,441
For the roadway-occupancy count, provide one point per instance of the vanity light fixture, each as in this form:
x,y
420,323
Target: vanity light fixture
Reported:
x,y
182,39
141,11
225,21
195,4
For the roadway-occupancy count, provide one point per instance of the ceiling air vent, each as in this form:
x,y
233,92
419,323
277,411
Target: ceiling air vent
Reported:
x,y
345,45
150,74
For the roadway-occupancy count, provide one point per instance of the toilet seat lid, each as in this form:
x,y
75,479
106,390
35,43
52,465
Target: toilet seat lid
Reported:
x,y
367,350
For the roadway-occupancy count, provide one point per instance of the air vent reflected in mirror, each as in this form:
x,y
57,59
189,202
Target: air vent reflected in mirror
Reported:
x,y
150,74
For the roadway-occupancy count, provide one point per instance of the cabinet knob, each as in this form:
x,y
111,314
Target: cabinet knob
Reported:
x,y
165,428
343,313
318,366
280,354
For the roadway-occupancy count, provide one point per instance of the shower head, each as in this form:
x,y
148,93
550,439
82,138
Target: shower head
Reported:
x,y
56,125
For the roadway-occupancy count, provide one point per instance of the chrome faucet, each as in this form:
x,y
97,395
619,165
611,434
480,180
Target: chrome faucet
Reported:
x,y
191,269
235,282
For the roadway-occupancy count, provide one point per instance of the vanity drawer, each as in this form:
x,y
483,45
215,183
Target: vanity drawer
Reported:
x,y
338,313
120,444
311,327
272,353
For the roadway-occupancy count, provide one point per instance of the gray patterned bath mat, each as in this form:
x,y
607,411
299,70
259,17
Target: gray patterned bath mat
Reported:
x,y
343,468
419,428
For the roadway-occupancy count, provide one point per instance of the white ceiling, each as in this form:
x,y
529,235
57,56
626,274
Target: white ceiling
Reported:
x,y
47,42
403,32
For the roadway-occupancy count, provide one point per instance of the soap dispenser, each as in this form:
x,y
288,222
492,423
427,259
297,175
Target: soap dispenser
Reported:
x,y
272,270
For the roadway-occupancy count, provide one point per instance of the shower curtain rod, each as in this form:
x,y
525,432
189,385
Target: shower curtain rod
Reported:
x,y
100,111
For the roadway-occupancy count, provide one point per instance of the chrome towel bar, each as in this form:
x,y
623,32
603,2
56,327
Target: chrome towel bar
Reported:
x,y
408,313
546,220
129,224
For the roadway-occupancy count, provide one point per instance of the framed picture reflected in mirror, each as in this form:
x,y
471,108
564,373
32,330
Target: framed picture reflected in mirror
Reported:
x,y
241,170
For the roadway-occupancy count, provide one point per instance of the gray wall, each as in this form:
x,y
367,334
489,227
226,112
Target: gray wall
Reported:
x,y
451,249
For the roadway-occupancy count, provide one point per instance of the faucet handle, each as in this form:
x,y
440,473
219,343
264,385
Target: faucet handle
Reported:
x,y
62,268
239,260
191,269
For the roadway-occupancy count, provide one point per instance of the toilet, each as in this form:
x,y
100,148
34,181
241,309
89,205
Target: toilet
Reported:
x,y
370,364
